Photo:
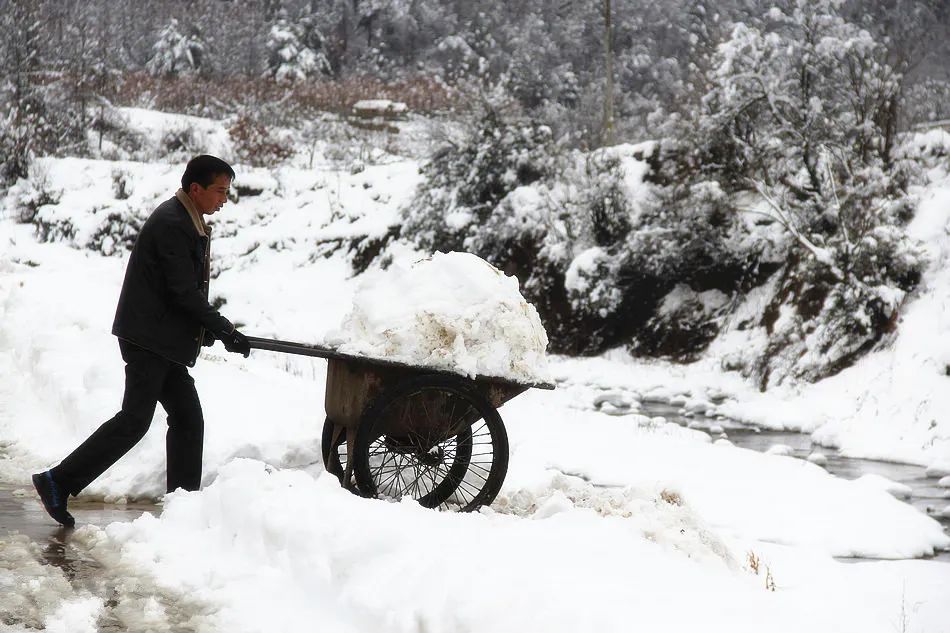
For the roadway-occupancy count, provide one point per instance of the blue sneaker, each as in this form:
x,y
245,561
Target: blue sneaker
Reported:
x,y
53,498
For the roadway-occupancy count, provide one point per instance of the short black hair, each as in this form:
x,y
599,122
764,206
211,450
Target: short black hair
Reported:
x,y
203,170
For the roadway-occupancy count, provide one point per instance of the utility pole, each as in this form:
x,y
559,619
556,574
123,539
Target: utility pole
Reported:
x,y
608,126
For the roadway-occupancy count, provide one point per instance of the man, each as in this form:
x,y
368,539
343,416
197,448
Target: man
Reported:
x,y
162,320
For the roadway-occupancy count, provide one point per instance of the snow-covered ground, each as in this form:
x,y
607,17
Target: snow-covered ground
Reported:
x,y
603,523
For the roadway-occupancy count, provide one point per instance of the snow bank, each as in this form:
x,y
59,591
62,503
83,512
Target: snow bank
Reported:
x,y
452,311
160,129
280,550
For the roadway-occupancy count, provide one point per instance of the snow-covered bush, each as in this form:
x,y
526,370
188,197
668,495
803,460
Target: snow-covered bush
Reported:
x,y
295,50
583,281
107,230
29,195
604,204
683,325
687,234
176,52
826,314
256,143
116,233
685,237
465,183
595,245
121,188
802,108
927,101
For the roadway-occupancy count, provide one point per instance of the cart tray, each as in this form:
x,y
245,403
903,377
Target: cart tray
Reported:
x,y
321,351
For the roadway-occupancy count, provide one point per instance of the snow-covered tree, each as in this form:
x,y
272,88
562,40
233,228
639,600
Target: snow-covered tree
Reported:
x,y
465,182
36,117
177,51
295,50
803,109
21,114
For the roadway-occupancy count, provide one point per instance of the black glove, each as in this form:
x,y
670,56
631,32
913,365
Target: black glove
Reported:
x,y
235,342
208,339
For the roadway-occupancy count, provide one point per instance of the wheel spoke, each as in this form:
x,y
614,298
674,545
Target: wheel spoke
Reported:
x,y
453,421
419,472
390,480
379,470
464,488
426,410
413,488
460,492
487,471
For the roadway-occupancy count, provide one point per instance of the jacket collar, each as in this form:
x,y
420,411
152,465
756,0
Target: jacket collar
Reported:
x,y
200,225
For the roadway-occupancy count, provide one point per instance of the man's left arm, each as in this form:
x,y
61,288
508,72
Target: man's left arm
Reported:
x,y
183,288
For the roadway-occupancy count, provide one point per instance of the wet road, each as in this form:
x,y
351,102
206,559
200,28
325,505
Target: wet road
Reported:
x,y
45,568
22,512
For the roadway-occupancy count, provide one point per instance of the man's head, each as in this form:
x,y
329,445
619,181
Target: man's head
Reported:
x,y
207,180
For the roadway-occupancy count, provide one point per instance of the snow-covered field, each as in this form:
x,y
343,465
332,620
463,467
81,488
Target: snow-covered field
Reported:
x,y
604,522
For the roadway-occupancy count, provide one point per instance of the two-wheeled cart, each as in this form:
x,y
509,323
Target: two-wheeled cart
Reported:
x,y
396,430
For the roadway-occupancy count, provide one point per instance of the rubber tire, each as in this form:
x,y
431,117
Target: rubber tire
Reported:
x,y
459,387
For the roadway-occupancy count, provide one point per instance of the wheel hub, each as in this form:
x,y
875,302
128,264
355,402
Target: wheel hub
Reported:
x,y
433,457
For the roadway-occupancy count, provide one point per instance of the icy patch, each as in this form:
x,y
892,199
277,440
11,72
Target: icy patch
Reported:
x,y
452,311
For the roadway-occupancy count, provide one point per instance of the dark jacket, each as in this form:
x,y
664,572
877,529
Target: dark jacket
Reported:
x,y
163,305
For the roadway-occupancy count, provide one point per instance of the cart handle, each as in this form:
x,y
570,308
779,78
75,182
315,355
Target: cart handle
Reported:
x,y
289,347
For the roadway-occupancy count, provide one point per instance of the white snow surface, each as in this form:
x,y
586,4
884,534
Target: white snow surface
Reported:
x,y
560,555
380,105
604,522
451,311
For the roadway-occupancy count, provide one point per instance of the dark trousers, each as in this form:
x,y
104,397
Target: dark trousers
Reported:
x,y
149,379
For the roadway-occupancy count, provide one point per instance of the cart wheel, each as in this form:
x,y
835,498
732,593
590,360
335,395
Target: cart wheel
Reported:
x,y
334,453
435,439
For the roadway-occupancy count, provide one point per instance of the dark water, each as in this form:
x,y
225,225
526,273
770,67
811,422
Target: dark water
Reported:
x,y
926,495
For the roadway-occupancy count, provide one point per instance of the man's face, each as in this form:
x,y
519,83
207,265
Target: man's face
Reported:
x,y
211,198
